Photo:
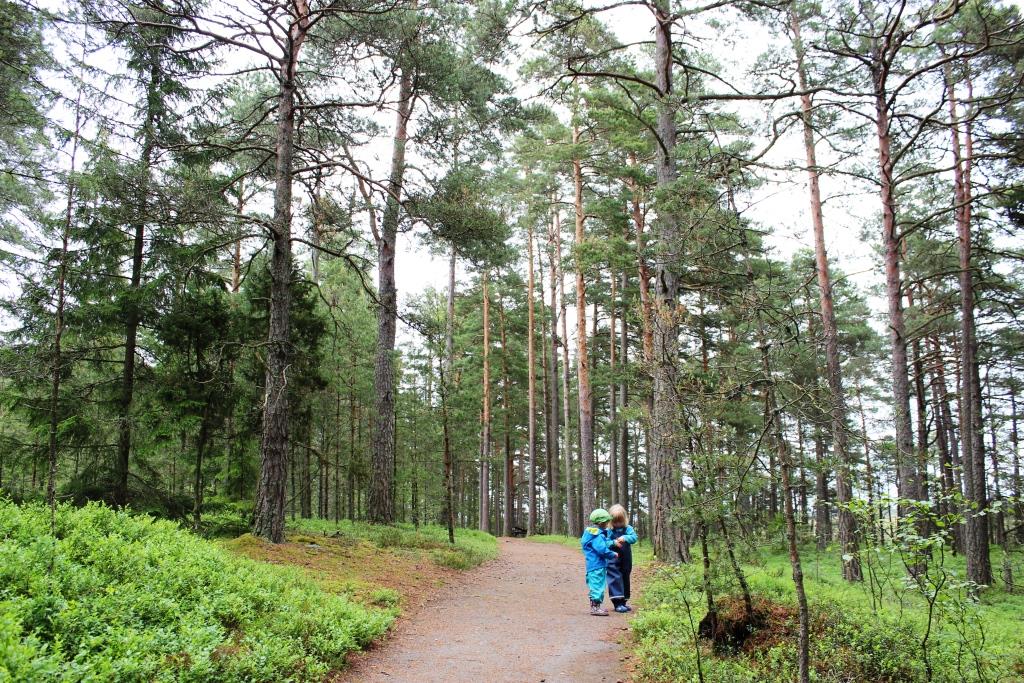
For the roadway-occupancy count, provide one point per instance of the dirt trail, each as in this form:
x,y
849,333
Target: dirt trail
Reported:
x,y
522,618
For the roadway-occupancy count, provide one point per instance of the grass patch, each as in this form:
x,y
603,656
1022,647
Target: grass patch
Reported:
x,y
472,548
866,631
116,596
382,567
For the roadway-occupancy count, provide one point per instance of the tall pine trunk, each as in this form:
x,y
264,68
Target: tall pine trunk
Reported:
x,y
613,442
485,445
381,503
586,411
666,428
574,521
57,360
833,370
979,567
531,388
270,494
507,472
906,462
553,459
132,313
623,400
446,367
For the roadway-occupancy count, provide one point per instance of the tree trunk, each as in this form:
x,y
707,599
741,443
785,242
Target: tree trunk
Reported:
x,y
381,504
589,483
58,323
822,513
509,485
550,399
531,387
445,369
921,411
998,526
791,538
574,521
848,546
908,486
972,456
554,498
270,494
945,474
613,442
197,485
802,452
951,475
666,481
131,313
623,400
485,440
869,473
646,307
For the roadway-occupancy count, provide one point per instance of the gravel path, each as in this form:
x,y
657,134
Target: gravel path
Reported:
x,y
522,618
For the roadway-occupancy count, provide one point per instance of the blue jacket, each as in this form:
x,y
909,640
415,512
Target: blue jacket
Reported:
x,y
626,551
596,548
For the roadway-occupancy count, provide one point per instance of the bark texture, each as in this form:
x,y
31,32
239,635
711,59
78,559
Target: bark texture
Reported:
x,y
531,389
554,462
270,493
585,402
972,455
909,487
485,446
381,502
666,427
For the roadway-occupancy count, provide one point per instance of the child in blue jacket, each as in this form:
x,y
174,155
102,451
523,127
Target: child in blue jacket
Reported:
x,y
621,538
597,550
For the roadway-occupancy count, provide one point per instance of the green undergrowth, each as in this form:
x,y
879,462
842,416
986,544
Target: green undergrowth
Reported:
x,y
642,552
472,548
113,596
876,630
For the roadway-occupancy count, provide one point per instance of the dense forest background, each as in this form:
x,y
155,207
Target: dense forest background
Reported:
x,y
204,207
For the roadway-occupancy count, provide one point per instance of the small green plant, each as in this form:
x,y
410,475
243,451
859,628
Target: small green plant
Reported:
x,y
388,537
385,597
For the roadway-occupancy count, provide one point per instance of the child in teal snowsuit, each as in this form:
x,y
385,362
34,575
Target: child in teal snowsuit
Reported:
x,y
597,551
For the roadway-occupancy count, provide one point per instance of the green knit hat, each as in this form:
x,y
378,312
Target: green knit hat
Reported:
x,y
600,515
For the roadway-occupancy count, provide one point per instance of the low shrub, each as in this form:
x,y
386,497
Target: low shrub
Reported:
x,y
112,596
849,640
385,597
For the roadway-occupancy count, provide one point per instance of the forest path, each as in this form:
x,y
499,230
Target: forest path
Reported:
x,y
521,618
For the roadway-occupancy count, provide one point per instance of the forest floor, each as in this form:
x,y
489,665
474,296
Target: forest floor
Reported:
x,y
522,618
